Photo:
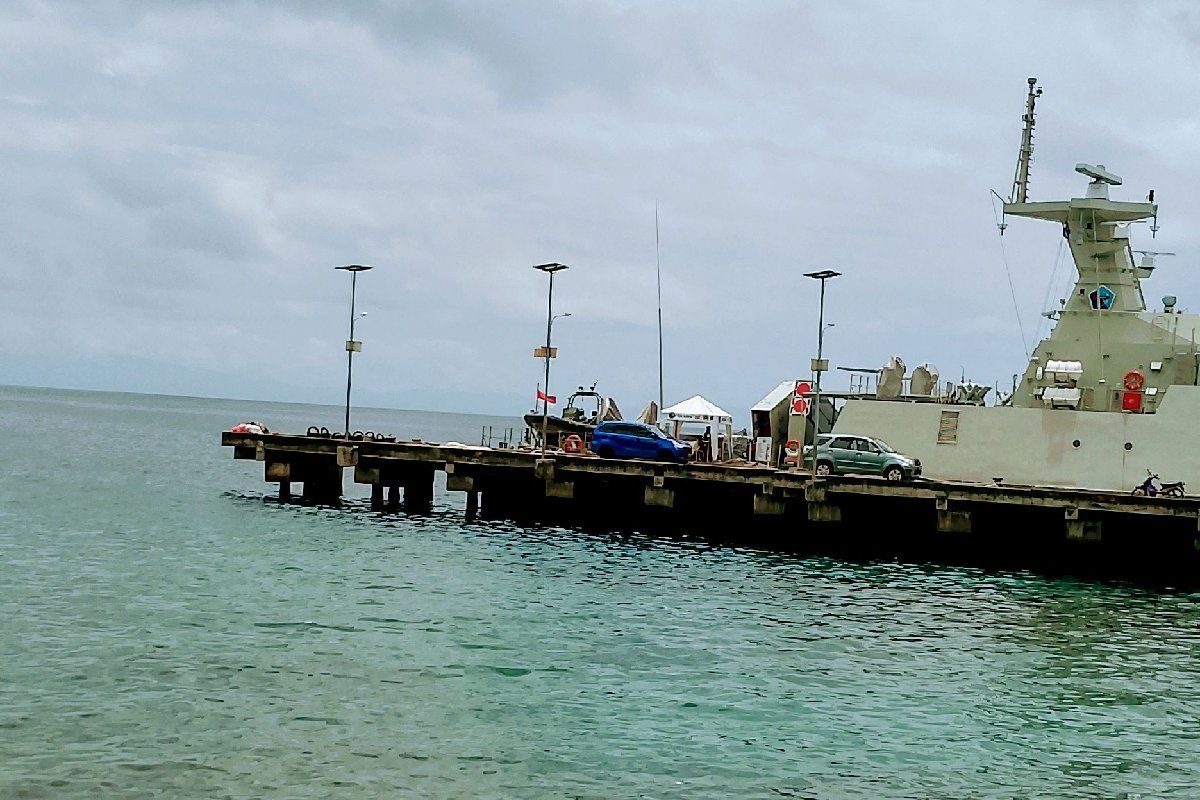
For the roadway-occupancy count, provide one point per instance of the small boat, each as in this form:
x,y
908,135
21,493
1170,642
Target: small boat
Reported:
x,y
585,409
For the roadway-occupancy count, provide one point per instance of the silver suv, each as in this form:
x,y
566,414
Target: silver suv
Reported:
x,y
862,454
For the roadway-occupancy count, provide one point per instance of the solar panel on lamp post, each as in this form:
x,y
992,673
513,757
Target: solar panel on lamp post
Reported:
x,y
819,364
352,346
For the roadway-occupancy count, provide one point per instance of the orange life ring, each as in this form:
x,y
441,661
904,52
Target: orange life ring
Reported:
x,y
573,444
1134,380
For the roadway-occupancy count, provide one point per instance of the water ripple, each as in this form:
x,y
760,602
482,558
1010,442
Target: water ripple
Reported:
x,y
164,632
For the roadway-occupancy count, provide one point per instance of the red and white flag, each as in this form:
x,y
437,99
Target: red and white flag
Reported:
x,y
549,398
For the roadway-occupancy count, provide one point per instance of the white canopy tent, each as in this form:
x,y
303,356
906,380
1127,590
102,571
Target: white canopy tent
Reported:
x,y
697,411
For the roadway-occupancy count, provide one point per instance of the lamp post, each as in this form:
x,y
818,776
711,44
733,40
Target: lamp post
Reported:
x,y
818,364
352,346
549,269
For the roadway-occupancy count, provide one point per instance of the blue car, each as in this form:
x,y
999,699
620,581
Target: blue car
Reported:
x,y
636,440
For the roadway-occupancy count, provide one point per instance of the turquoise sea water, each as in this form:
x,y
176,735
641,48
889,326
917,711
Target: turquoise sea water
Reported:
x,y
166,633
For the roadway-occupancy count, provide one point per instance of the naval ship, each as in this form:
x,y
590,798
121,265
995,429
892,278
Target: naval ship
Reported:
x,y
1112,392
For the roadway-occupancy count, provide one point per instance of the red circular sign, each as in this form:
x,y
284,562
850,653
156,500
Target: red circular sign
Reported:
x,y
802,387
799,406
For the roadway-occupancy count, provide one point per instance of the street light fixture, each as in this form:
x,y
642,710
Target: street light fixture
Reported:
x,y
559,316
352,346
549,269
818,364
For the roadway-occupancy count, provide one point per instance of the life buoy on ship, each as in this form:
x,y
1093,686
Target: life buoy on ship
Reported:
x,y
1134,380
573,444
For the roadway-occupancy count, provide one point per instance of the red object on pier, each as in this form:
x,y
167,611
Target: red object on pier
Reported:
x,y
799,401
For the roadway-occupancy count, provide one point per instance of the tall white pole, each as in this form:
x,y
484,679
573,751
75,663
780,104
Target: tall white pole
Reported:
x,y
350,349
658,271
817,392
351,344
546,390
818,365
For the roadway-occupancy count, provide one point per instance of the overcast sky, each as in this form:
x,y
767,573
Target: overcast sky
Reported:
x,y
179,180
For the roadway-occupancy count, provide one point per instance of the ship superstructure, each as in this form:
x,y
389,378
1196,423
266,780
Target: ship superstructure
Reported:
x,y
1108,351
1111,392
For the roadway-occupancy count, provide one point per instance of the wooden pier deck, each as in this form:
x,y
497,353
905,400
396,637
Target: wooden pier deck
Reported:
x,y
751,501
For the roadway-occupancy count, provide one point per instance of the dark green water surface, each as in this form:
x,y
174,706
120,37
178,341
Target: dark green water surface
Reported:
x,y
166,633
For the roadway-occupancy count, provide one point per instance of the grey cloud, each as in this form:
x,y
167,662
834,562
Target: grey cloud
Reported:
x,y
188,174
527,53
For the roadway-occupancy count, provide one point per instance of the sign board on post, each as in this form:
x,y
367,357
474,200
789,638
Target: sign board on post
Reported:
x,y
353,346
819,365
762,449
540,352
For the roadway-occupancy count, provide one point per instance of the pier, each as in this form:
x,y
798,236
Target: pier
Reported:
x,y
749,503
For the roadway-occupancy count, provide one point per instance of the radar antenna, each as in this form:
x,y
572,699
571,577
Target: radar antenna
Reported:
x,y
1021,179
1148,257
1098,174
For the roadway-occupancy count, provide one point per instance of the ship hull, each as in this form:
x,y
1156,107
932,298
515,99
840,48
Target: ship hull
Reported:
x,y
1040,447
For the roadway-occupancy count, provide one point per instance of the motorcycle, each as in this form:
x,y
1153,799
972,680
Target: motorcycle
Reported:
x,y
1147,487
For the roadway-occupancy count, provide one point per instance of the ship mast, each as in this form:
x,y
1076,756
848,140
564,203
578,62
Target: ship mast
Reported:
x,y
1021,179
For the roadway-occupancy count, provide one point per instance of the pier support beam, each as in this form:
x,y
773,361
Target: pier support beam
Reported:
x,y
418,491
544,469
393,497
564,490
322,485
282,472
951,521
824,512
768,505
1081,530
819,508
347,456
377,496
659,496
456,482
